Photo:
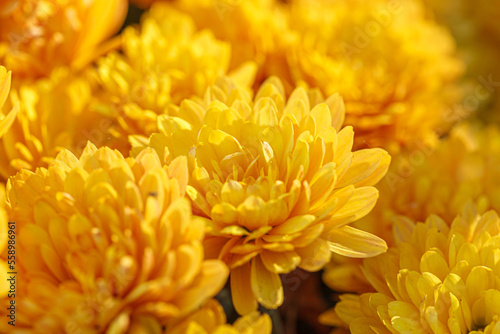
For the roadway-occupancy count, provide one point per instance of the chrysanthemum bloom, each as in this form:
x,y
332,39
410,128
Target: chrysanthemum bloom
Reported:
x,y
475,27
108,244
257,31
164,61
279,181
212,320
441,180
37,36
439,279
394,67
53,114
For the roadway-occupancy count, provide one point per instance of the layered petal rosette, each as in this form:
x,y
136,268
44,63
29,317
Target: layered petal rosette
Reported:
x,y
438,279
108,244
277,178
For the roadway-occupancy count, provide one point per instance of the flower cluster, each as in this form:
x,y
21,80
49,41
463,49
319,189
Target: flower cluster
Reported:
x,y
161,63
199,166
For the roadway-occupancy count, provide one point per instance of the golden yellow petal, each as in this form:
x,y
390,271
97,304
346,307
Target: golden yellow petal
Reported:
x,y
433,262
252,214
366,169
315,255
266,286
280,262
254,323
293,225
241,290
359,205
208,283
351,242
8,120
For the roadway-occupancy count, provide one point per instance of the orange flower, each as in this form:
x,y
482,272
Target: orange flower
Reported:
x,y
37,36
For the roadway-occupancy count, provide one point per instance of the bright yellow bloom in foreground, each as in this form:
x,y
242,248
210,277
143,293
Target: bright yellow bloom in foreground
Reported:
x,y
53,114
37,36
108,244
164,61
6,118
439,279
394,67
431,180
279,181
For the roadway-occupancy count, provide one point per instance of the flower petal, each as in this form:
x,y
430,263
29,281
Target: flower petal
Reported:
x,y
266,286
241,290
351,242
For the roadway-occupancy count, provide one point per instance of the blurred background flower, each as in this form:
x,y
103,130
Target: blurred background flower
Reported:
x,y
53,114
162,62
395,67
36,36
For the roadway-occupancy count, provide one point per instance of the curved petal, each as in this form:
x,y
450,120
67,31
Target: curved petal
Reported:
x,y
315,255
280,262
241,290
359,205
351,242
266,286
366,169
208,283
7,121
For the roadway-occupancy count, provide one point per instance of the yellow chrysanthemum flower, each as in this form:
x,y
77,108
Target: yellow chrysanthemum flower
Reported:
x,y
439,279
164,61
37,36
257,31
475,27
394,67
6,119
212,320
279,181
462,167
53,114
108,244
